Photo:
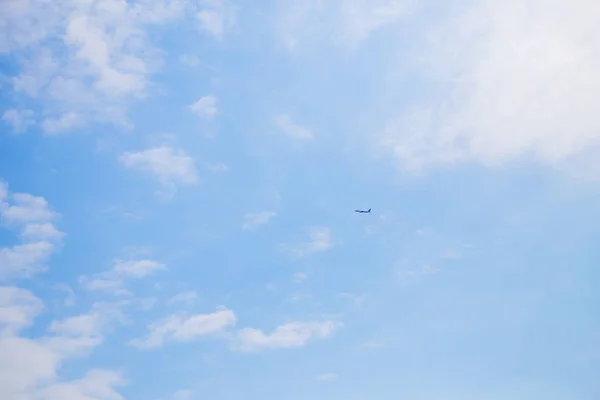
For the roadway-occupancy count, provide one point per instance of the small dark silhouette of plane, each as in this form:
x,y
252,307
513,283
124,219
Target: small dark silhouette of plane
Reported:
x,y
363,211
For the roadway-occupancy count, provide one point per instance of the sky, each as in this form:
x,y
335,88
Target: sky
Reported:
x,y
178,182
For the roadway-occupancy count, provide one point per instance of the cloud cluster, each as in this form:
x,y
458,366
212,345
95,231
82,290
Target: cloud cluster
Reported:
x,y
75,336
84,61
64,339
89,61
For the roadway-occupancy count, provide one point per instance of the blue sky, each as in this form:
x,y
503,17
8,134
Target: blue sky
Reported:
x,y
178,180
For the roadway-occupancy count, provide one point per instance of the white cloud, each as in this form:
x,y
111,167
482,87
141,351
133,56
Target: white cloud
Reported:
x,y
299,277
101,284
137,269
413,273
62,123
40,239
18,308
184,297
254,220
217,167
113,280
20,120
95,385
3,192
81,325
216,16
360,18
288,335
319,240
77,335
184,328
327,377
19,377
22,379
205,107
71,298
170,166
24,260
374,344
452,255
354,298
190,61
297,297
45,231
348,23
285,123
27,208
92,324
182,395
523,78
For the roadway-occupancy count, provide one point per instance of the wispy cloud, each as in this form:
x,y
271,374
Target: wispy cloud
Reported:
x,y
63,123
114,279
327,377
137,268
349,24
205,107
286,125
20,120
319,240
288,335
70,298
34,218
100,60
78,334
101,384
70,337
413,273
182,395
170,166
217,167
374,344
299,277
215,17
255,220
18,308
184,297
354,298
183,328
190,61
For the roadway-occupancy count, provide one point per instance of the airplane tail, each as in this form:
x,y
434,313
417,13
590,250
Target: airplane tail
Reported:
x,y
369,210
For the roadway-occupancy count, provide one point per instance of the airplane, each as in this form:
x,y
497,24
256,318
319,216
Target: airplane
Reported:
x,y
363,211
